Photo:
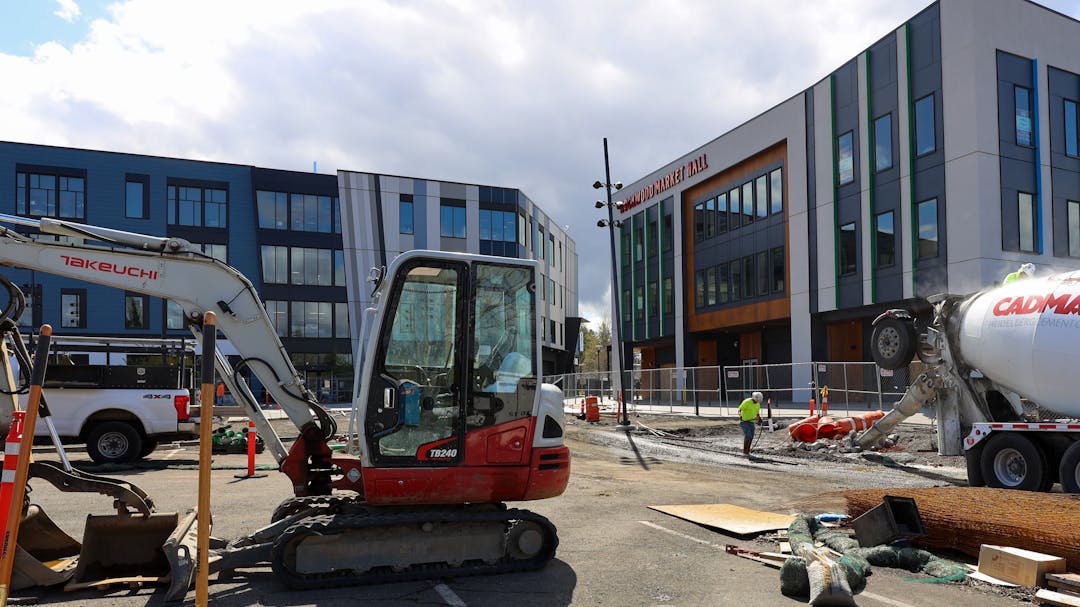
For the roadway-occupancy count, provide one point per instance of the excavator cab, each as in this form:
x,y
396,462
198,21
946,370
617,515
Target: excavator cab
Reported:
x,y
433,382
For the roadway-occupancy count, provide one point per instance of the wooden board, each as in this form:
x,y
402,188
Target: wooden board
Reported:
x,y
1057,598
982,577
1065,581
728,517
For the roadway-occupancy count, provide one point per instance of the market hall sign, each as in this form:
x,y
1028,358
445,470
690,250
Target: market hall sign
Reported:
x,y
666,182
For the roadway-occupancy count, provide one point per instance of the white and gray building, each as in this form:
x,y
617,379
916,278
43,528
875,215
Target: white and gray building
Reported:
x,y
386,215
937,160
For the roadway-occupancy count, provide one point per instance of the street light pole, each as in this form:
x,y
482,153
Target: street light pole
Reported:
x,y
616,330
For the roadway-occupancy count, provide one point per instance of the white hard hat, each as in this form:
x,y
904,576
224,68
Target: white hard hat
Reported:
x,y
757,396
1028,268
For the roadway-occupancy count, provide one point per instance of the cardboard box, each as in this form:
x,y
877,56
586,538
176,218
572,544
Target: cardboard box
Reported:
x,y
1018,566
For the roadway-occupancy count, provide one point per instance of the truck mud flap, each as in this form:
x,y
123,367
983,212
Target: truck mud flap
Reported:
x,y
124,548
46,556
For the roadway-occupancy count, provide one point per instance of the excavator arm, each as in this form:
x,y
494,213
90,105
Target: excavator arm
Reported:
x,y
175,269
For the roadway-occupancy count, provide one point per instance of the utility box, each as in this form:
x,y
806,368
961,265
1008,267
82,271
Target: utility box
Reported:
x,y
895,518
1018,566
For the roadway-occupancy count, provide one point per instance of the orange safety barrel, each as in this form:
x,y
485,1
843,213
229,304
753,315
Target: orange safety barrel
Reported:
x,y
805,430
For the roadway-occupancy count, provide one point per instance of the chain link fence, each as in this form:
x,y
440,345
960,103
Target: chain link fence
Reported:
x,y
853,387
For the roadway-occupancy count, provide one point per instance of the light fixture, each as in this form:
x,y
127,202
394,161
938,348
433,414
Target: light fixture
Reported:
x,y
599,204
597,185
602,223
618,185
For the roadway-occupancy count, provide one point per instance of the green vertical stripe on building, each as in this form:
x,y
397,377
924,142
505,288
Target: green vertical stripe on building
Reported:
x,y
871,163
835,188
911,158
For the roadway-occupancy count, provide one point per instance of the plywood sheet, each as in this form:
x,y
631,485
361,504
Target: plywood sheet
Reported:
x,y
728,517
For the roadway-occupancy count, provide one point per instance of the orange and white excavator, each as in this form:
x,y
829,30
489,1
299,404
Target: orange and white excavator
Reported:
x,y
450,418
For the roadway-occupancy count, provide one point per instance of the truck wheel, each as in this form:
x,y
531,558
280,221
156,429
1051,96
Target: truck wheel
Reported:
x,y
1012,461
973,457
113,443
1070,469
148,446
892,344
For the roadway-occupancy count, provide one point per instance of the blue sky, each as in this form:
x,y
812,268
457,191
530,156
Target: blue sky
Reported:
x,y
512,93
25,24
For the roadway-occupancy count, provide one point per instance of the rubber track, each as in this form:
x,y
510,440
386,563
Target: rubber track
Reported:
x,y
327,504
323,525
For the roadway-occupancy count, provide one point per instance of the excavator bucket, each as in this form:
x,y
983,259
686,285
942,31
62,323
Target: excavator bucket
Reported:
x,y
124,548
46,556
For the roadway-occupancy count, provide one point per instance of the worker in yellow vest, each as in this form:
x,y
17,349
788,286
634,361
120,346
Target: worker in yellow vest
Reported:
x,y
749,414
1026,271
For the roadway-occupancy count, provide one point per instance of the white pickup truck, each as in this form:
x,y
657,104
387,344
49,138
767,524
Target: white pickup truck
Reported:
x,y
120,410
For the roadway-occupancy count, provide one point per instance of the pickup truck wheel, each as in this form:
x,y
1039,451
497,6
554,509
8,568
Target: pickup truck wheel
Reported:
x,y
1070,469
148,446
1012,461
892,344
114,443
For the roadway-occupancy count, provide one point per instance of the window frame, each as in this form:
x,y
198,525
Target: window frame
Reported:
x,y
173,186
144,204
879,239
1072,228
1017,88
919,153
455,210
852,256
919,233
80,295
878,166
23,190
840,173
1033,218
405,201
776,201
1073,141
779,272
145,301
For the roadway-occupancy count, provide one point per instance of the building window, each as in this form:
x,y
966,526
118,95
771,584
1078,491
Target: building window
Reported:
x,y
736,279
710,224
451,221
762,188
848,249
551,249
135,306
886,240
1072,143
778,275
1073,211
748,276
776,191
197,206
174,315
669,296
311,319
311,266
654,299
625,239
733,208
1022,95
763,270
341,320
669,233
723,287
73,308
278,311
883,143
137,197
31,316
710,287
339,268
699,289
845,159
273,209
312,213
1025,204
925,127
540,249
747,203
639,238
721,214
405,214
639,302
41,194
699,222
926,215
625,312
219,252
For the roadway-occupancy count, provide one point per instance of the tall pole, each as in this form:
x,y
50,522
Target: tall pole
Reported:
x,y
616,330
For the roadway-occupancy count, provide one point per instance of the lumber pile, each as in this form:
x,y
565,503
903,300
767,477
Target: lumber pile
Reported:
x,y
965,518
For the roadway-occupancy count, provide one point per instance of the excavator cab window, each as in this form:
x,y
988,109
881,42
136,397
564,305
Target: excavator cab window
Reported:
x,y
414,413
504,345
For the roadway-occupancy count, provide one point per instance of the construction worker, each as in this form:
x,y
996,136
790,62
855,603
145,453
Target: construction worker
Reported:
x,y
749,414
1026,271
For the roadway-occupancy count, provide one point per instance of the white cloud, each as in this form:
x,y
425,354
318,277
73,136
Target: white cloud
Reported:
x,y
68,10
515,94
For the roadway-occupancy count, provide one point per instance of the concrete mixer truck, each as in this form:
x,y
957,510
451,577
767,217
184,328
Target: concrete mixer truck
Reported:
x,y
991,360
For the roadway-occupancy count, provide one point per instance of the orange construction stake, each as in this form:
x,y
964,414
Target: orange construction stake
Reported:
x,y
206,448
11,464
22,468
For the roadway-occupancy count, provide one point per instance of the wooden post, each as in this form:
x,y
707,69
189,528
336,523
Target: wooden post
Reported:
x,y
18,490
206,448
